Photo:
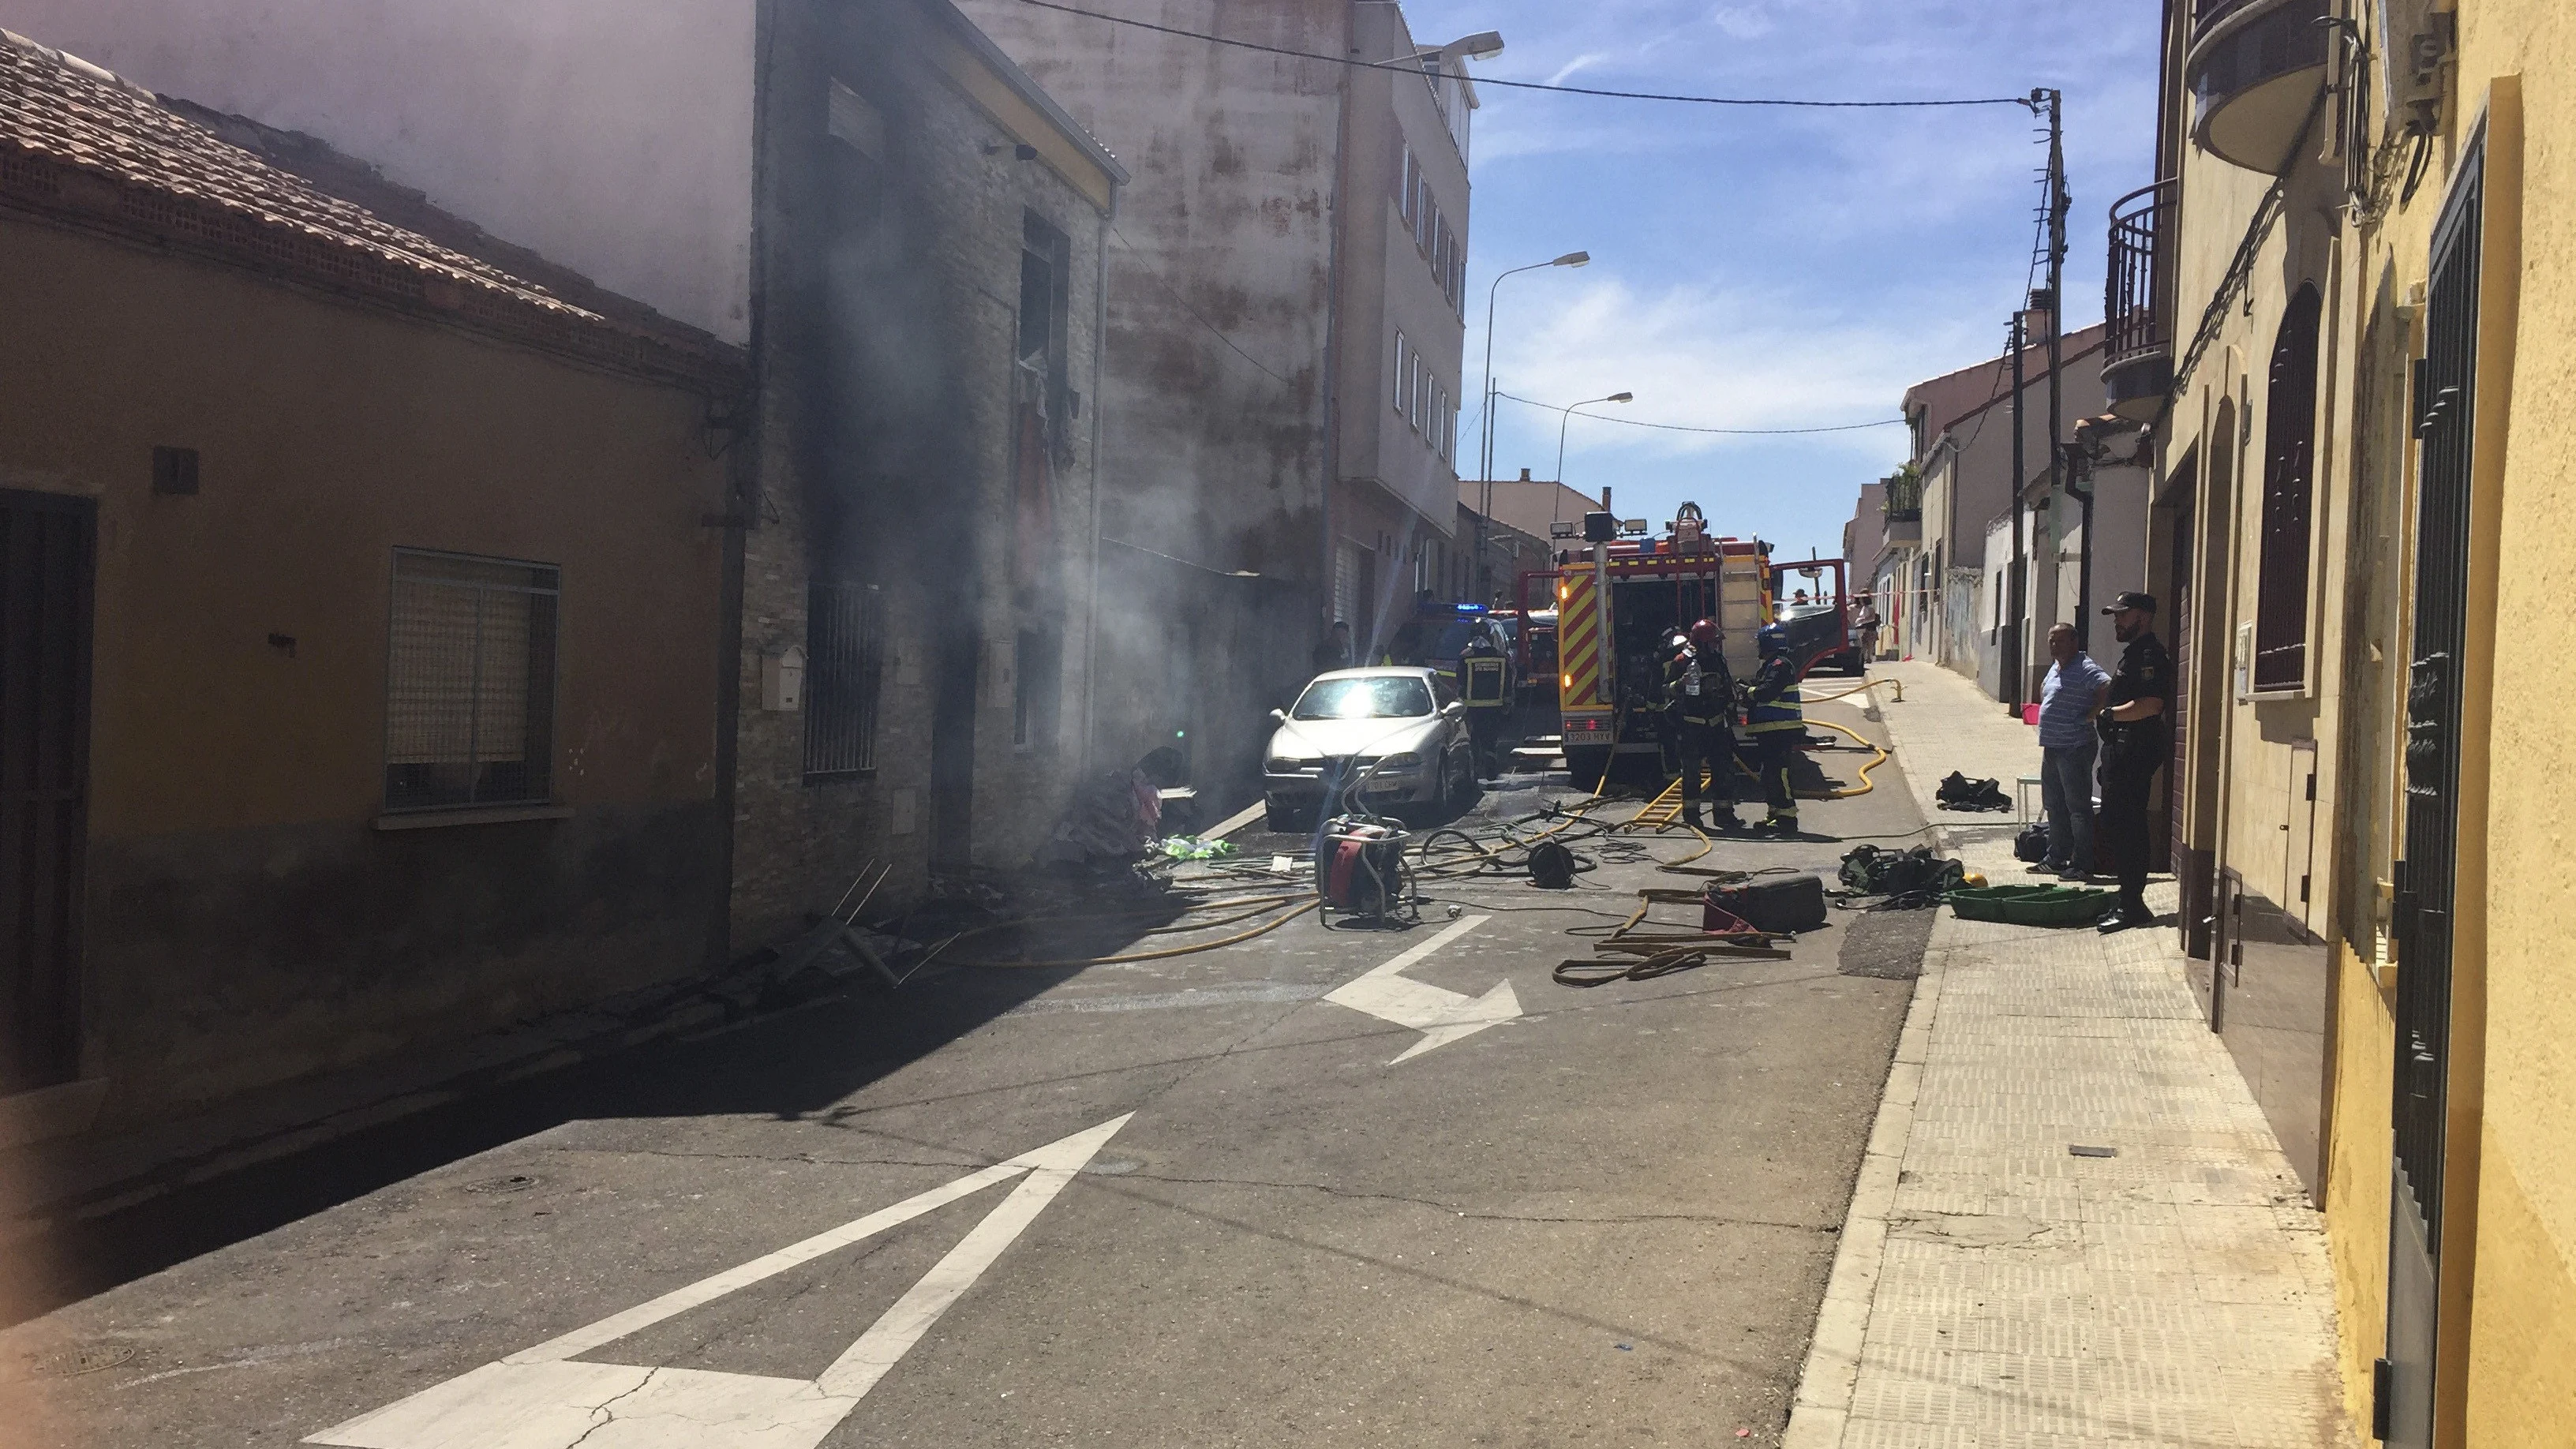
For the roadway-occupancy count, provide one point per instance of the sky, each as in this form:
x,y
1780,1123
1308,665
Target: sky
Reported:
x,y
1772,268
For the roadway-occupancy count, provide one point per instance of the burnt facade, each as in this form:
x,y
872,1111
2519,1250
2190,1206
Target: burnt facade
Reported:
x,y
917,533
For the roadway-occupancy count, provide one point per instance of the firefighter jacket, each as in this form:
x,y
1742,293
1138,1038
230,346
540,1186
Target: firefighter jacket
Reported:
x,y
1698,689
1481,671
1773,703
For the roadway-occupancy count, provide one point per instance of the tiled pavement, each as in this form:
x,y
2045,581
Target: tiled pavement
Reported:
x,y
1993,1289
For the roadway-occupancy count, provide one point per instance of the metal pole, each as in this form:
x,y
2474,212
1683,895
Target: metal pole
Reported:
x,y
2012,633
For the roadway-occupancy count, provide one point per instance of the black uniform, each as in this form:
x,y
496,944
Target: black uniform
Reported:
x,y
1704,723
2132,750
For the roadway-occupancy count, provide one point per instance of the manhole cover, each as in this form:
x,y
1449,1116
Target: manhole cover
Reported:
x,y
79,1358
515,1182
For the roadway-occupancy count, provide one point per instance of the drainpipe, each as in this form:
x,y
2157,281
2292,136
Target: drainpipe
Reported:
x,y
1333,316
1099,421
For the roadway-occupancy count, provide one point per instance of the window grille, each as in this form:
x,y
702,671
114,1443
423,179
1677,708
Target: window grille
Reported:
x,y
1038,681
844,659
470,682
2281,598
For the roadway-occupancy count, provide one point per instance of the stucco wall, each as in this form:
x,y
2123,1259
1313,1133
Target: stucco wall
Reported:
x,y
613,138
2522,1368
247,920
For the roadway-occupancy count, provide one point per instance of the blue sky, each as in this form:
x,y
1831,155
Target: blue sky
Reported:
x,y
1772,268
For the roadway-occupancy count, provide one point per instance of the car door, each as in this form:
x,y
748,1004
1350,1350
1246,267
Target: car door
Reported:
x,y
1453,727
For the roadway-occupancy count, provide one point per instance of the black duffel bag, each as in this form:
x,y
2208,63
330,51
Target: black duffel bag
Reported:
x,y
1784,904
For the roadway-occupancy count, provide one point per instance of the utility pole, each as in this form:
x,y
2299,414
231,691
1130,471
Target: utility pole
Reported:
x,y
2012,670
2058,201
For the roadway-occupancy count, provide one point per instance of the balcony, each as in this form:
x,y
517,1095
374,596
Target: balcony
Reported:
x,y
2255,70
2137,305
1903,508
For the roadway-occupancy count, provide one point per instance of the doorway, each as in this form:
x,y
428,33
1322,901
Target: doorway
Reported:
x,y
2428,875
952,748
48,566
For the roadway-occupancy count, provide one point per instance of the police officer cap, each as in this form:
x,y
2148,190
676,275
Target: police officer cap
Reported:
x,y
2131,600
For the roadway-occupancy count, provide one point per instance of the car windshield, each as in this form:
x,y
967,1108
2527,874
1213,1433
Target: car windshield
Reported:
x,y
1383,697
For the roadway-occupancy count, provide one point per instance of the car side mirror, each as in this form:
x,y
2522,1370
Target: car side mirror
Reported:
x,y
1279,715
1453,709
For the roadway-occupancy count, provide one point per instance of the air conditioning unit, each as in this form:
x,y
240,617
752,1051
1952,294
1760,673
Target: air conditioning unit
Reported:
x,y
2416,43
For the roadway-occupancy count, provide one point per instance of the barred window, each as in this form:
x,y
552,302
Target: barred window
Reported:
x,y
1038,677
844,654
470,682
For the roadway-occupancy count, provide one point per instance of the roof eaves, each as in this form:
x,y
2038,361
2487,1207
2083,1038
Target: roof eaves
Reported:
x,y
1027,89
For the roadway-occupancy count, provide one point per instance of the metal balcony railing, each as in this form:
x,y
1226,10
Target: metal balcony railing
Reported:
x,y
2206,13
1904,499
2137,316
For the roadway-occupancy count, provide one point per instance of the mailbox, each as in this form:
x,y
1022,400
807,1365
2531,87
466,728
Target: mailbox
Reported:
x,y
782,680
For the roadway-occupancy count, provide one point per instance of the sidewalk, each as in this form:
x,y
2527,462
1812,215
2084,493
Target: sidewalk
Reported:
x,y
1992,1288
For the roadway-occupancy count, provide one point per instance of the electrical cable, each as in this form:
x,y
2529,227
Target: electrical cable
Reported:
x,y
1680,428
1414,65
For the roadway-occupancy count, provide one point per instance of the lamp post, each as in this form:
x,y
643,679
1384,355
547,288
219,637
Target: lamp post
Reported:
x,y
1485,450
1568,411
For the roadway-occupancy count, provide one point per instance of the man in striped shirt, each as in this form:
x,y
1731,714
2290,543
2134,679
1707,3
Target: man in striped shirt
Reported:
x,y
2075,691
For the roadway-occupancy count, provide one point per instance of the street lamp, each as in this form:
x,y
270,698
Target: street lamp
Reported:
x,y
1616,397
1485,452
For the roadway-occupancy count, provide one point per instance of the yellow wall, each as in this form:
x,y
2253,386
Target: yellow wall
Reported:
x,y
2522,1345
2357,1172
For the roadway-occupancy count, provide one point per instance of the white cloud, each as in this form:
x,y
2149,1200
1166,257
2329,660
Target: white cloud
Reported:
x,y
1712,358
1580,63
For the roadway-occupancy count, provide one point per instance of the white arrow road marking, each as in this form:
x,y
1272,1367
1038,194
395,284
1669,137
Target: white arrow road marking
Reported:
x,y
541,1398
1441,1016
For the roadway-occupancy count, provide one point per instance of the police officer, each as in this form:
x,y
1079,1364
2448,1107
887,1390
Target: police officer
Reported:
x,y
1481,684
1777,721
2134,743
1699,693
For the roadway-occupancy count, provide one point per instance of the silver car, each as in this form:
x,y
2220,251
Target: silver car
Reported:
x,y
1401,733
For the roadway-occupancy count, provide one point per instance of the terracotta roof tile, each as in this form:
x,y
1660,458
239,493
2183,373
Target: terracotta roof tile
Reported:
x,y
88,146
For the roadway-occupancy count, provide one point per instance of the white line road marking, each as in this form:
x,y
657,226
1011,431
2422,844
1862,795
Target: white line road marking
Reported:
x,y
1441,1016
542,1398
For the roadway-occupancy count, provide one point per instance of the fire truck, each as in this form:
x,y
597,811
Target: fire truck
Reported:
x,y
1622,597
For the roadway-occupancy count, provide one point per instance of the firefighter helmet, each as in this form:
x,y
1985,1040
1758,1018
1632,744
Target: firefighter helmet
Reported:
x,y
1773,640
1704,633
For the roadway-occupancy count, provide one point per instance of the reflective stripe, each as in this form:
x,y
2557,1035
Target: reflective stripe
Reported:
x,y
1484,683
1783,713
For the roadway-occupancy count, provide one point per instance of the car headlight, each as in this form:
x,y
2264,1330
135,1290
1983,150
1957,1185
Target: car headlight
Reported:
x,y
1405,761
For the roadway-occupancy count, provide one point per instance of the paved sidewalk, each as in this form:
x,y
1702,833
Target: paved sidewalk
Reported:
x,y
1994,1289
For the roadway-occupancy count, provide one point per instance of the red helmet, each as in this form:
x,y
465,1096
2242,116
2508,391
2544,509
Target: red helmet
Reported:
x,y
1704,633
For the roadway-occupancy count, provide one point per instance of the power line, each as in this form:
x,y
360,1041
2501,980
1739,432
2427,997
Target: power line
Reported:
x,y
1411,65
1176,296
1681,428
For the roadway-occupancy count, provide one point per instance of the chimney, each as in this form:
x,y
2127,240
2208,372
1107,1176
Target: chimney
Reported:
x,y
1605,500
1525,477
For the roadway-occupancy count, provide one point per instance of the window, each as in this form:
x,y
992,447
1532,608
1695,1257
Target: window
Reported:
x,y
1385,696
1403,374
1408,187
2289,465
1417,392
844,650
469,682
1037,677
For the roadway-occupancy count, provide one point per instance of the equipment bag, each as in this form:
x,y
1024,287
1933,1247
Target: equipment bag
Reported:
x,y
2032,843
1958,792
1785,904
1870,871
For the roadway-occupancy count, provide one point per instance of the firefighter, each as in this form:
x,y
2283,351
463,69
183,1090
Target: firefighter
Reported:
x,y
1699,693
1778,724
1482,683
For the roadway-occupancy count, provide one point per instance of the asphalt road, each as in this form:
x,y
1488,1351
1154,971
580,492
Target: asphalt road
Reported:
x,y
1607,1219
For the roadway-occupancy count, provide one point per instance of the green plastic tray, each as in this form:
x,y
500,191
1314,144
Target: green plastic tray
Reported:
x,y
2030,905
